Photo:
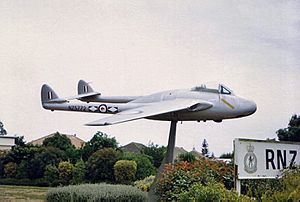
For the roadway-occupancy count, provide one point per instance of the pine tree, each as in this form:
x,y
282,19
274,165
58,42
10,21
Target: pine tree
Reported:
x,y
2,130
204,150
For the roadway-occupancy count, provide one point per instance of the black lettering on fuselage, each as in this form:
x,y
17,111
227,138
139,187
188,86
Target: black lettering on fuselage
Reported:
x,y
270,159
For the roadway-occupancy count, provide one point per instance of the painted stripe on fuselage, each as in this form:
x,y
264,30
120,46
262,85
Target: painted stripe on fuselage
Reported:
x,y
228,104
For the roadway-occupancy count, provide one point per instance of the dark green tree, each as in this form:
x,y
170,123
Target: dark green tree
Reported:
x,y
63,143
19,141
157,153
292,132
228,155
204,149
99,141
100,165
144,166
2,130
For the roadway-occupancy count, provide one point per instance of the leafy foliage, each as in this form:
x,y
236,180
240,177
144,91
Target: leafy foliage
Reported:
x,y
99,141
51,173
124,171
10,169
79,172
292,132
188,156
145,184
65,169
100,165
157,153
144,166
96,192
179,177
212,191
289,189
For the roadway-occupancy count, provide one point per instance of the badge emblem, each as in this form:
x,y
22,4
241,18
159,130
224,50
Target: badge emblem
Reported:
x,y
250,160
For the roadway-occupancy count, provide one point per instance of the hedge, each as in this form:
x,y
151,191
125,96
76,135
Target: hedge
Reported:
x,y
95,192
24,182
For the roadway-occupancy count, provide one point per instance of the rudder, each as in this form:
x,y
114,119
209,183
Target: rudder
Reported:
x,y
47,94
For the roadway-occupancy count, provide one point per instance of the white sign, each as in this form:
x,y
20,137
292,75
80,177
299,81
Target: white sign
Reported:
x,y
256,159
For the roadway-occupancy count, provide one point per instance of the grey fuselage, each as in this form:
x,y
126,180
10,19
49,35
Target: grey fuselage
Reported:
x,y
224,106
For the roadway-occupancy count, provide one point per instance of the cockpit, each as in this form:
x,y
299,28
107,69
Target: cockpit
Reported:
x,y
213,88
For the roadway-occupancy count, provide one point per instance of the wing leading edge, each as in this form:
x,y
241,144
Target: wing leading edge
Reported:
x,y
151,109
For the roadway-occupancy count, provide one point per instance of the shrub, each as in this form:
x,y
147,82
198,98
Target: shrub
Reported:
x,y
213,191
10,169
290,187
124,171
51,173
95,192
144,166
145,184
100,166
179,177
189,157
65,169
78,172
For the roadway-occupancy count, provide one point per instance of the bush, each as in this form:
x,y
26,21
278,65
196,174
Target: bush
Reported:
x,y
144,166
179,177
290,187
145,184
65,169
10,169
95,192
124,171
51,173
189,157
78,172
213,191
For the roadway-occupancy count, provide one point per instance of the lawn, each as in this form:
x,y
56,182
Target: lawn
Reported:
x,y
22,193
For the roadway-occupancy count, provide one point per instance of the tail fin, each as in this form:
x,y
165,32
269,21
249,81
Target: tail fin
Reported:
x,y
48,95
84,87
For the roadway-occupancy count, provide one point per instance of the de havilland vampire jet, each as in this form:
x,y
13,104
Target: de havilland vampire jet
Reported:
x,y
200,103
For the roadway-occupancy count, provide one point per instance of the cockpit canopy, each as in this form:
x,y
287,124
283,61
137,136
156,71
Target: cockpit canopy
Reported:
x,y
213,88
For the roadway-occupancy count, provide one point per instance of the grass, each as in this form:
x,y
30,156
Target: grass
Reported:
x,y
22,193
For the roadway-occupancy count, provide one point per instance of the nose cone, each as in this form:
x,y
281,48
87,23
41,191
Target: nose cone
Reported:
x,y
252,107
248,107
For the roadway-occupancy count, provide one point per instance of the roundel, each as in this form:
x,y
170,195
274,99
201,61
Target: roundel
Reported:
x,y
103,108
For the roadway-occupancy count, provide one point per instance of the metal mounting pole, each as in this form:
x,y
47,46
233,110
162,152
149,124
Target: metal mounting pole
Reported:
x,y
169,158
171,143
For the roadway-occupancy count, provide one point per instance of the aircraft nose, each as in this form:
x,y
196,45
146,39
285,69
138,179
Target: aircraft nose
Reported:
x,y
250,107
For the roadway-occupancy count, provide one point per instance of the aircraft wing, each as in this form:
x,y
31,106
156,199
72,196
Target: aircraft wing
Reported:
x,y
152,109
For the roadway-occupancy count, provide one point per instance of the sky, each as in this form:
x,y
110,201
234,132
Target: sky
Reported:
x,y
136,47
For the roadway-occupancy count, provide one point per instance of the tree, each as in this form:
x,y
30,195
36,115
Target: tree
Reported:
x,y
157,153
204,149
100,165
99,141
2,130
228,155
63,143
59,141
292,132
